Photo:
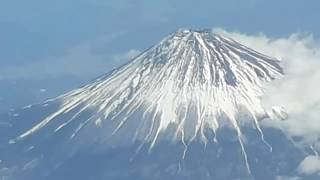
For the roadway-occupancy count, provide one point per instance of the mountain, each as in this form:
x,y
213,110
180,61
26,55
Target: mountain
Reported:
x,y
189,107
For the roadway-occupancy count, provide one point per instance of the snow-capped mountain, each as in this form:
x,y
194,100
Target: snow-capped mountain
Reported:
x,y
195,96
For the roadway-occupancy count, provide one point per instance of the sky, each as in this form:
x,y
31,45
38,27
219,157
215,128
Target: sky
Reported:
x,y
50,47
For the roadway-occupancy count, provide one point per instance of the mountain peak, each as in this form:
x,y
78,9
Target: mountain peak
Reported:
x,y
214,58
194,34
197,34
193,31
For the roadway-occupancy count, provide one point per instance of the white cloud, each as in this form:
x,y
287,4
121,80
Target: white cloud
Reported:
x,y
43,90
310,165
299,90
79,62
126,55
288,178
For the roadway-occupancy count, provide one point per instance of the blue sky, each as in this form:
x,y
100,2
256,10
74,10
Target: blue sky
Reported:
x,y
59,45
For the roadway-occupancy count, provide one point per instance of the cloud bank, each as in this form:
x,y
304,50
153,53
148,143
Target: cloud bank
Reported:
x,y
298,92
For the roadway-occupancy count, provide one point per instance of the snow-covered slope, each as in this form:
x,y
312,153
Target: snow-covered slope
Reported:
x,y
205,73
185,89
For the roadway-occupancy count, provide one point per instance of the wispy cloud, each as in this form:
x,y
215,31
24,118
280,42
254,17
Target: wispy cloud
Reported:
x,y
126,55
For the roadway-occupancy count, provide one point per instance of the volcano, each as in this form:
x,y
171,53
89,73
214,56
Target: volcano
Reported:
x,y
187,108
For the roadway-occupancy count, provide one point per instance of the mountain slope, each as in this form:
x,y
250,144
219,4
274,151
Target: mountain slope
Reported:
x,y
195,93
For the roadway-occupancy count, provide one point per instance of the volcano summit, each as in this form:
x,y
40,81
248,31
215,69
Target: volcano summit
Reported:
x,y
189,107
